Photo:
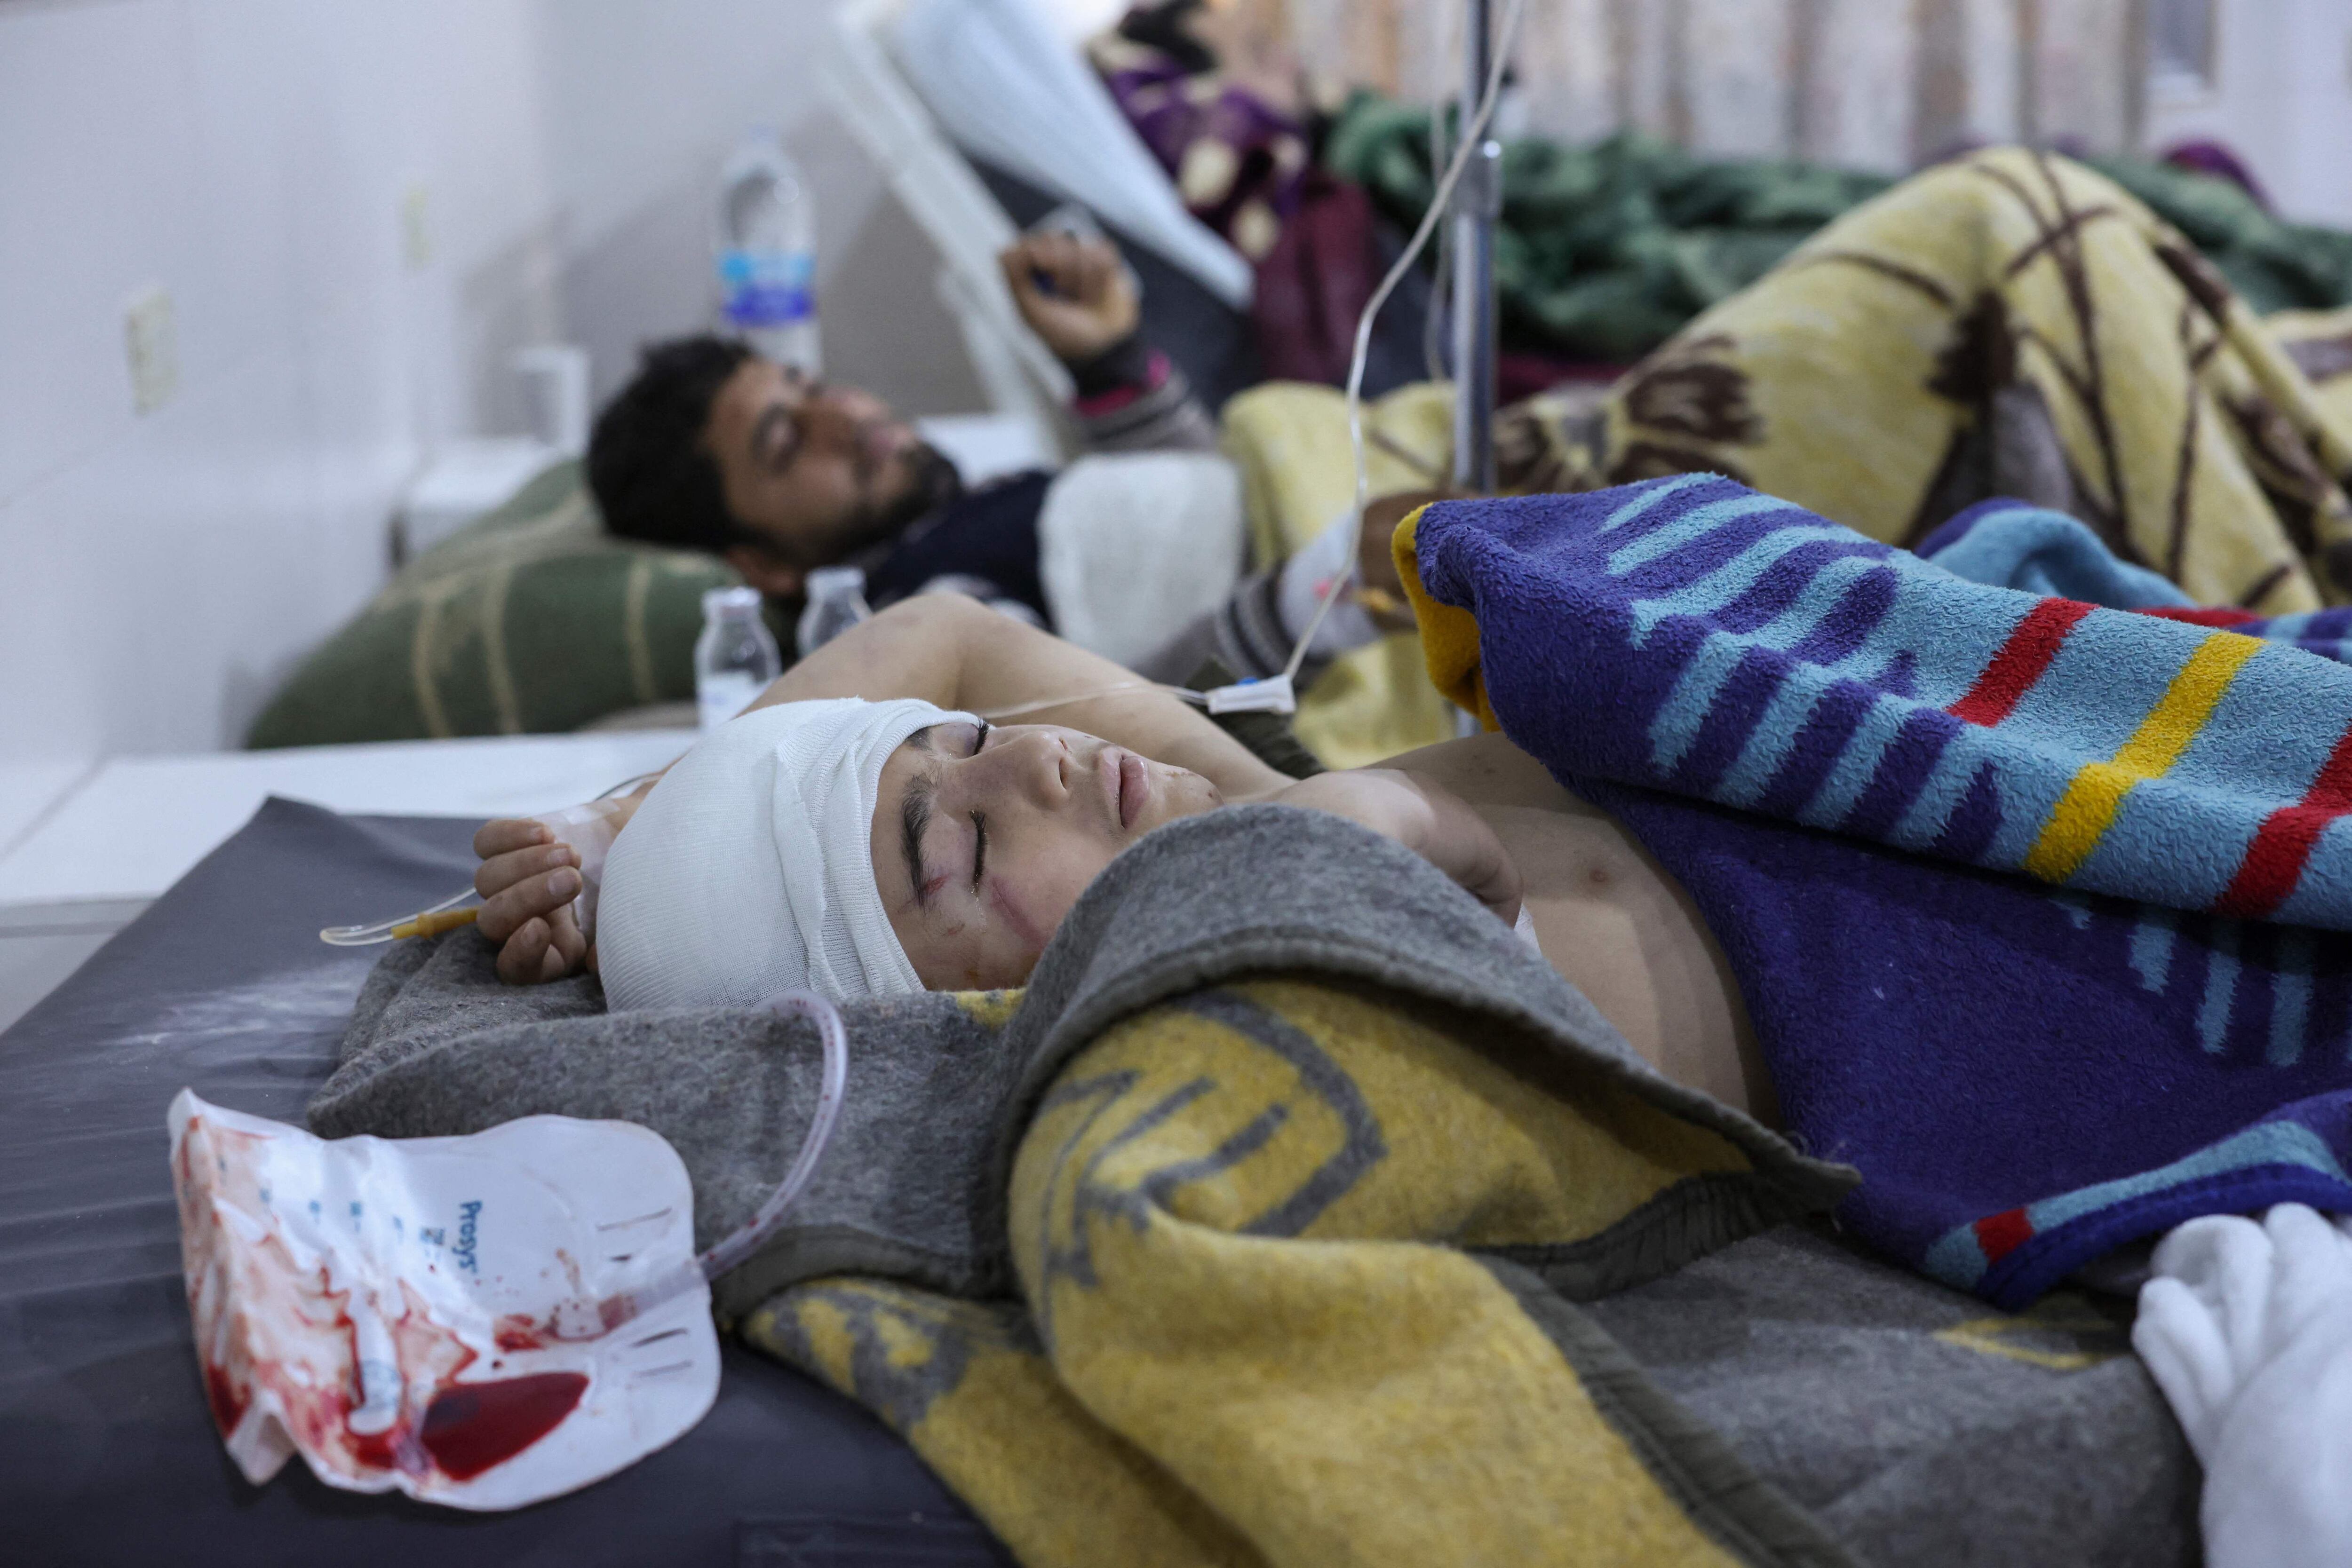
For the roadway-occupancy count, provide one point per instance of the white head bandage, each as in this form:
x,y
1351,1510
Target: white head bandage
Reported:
x,y
749,868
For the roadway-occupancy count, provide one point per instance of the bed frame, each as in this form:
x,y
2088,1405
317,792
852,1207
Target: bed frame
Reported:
x,y
1477,202
947,199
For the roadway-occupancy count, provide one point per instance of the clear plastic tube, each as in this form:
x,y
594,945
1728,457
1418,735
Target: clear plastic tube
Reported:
x,y
382,930
575,825
835,1039
998,715
1469,138
583,1320
1275,692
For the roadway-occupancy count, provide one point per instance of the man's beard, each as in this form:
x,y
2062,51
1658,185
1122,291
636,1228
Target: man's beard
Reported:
x,y
932,482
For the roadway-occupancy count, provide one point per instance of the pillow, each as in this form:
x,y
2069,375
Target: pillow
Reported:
x,y
532,619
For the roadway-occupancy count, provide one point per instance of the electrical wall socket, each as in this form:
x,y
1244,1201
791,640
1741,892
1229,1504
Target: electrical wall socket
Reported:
x,y
152,344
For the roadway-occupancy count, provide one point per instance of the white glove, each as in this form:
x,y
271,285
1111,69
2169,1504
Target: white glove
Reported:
x,y
2247,1329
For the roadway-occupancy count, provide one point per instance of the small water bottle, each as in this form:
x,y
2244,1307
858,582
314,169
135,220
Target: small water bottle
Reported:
x,y
736,656
765,245
837,602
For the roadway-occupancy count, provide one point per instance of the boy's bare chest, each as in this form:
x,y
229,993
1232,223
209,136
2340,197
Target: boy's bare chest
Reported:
x,y
1611,921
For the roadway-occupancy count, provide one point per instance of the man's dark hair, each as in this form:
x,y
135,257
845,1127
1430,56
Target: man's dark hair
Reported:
x,y
651,475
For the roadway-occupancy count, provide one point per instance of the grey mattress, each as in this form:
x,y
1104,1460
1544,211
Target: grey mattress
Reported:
x,y
106,1453
1920,1427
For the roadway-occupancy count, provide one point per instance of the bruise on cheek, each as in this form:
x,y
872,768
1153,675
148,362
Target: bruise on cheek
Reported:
x,y
1015,917
918,900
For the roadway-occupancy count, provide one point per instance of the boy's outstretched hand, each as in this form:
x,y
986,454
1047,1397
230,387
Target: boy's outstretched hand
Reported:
x,y
1075,294
528,882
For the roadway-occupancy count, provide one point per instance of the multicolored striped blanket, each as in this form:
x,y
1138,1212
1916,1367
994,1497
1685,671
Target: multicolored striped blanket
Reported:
x,y
1712,641
1996,873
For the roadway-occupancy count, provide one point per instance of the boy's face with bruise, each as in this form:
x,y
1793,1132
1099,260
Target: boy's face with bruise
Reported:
x,y
983,838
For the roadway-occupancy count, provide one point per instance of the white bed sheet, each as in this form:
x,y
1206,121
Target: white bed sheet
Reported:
x,y
138,823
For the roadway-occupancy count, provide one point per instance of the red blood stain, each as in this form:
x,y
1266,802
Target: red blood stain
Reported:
x,y
228,1404
518,1331
464,1429
470,1427
393,1448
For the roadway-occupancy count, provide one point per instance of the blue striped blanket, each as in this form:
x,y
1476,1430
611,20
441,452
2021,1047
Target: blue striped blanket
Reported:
x,y
2020,891
2049,553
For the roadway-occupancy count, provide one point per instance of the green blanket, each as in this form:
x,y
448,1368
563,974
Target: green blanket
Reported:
x,y
1605,250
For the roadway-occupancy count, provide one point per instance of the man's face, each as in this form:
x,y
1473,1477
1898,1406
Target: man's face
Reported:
x,y
820,471
983,838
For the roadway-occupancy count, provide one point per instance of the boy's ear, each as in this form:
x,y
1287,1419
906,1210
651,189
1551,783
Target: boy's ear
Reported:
x,y
763,570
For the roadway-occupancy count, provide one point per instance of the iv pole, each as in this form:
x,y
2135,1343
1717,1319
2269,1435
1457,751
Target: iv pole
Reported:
x,y
1477,202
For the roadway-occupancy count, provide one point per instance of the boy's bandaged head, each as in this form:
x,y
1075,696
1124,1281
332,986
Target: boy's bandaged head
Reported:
x,y
749,868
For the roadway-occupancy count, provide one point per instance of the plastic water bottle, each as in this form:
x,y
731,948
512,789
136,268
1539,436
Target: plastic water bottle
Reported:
x,y
735,657
765,245
837,602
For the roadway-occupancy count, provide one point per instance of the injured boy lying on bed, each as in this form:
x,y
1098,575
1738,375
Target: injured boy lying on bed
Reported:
x,y
2033,911
931,850
1901,745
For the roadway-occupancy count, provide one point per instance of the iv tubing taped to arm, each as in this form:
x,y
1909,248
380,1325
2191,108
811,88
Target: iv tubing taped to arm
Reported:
x,y
433,921
424,923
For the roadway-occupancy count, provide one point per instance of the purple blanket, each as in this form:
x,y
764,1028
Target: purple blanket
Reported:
x,y
2027,1072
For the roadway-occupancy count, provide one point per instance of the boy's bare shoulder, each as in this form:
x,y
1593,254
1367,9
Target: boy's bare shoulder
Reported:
x,y
1488,770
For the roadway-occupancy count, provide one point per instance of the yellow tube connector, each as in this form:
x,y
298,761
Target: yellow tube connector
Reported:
x,y
431,923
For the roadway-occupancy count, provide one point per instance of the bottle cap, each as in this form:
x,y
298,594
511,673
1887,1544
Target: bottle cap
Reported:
x,y
718,601
829,580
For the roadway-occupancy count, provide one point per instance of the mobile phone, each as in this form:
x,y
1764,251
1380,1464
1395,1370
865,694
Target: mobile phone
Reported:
x,y
1070,218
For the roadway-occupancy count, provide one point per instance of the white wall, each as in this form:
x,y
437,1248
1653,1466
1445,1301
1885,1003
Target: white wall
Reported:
x,y
643,100
2281,99
159,572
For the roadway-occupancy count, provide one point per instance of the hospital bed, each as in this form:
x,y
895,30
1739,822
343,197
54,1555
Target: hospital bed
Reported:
x,y
1919,1427
106,1453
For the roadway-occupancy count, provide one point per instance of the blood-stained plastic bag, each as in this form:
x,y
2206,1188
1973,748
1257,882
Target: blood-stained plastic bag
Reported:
x,y
389,1309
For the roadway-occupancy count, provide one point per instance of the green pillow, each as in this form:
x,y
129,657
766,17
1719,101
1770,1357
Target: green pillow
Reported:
x,y
533,619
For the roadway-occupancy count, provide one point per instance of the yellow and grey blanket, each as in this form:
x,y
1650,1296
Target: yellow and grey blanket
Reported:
x,y
2008,324
1254,1232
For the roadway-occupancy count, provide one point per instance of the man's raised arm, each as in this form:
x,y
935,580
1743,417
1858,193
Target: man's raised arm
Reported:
x,y
1078,297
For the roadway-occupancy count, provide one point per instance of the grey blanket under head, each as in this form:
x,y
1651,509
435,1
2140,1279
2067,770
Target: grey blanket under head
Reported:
x,y
941,1084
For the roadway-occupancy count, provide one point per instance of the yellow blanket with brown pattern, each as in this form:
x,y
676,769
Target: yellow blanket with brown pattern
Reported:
x,y
1295,1257
2008,324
